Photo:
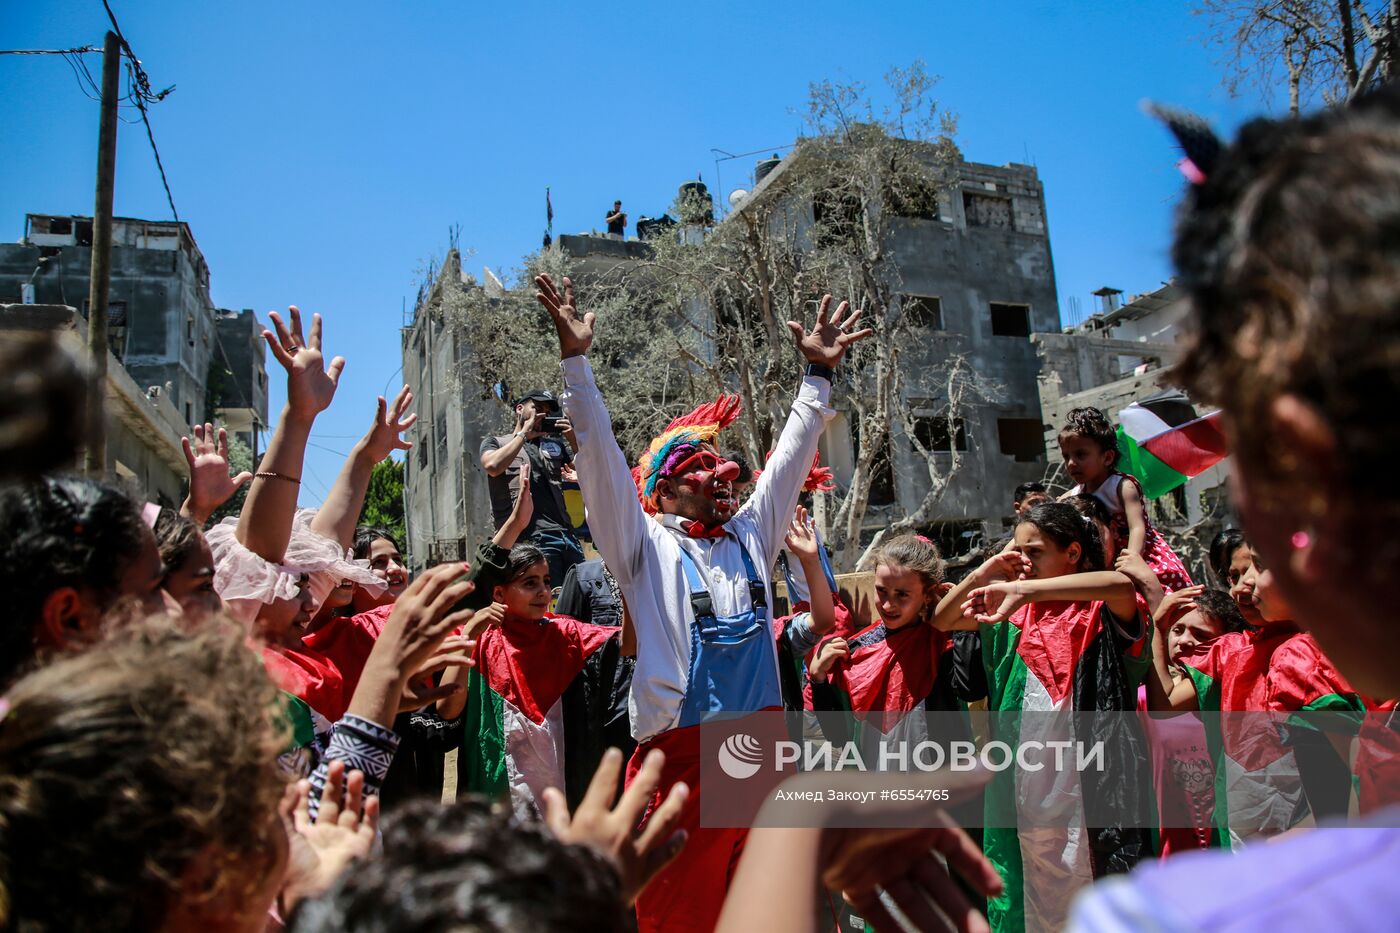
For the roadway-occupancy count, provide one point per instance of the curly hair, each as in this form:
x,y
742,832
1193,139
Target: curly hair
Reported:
x,y
1065,525
1289,253
1094,425
471,866
126,762
1214,603
59,531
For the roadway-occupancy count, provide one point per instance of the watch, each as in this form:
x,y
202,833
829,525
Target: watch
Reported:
x,y
819,369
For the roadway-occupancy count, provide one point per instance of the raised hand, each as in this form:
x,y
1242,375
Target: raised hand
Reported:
x,y
344,831
385,434
801,537
455,652
210,483
828,340
613,831
994,602
575,333
309,387
1177,603
1008,565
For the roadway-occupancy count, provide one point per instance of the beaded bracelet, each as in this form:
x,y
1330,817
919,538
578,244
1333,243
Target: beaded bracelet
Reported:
x,y
268,474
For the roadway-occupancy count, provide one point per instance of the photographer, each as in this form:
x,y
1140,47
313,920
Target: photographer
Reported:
x,y
543,439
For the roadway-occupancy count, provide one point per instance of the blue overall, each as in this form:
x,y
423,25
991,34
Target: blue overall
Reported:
x,y
733,659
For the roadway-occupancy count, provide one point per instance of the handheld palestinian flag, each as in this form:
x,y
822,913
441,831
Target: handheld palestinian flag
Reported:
x,y
1162,443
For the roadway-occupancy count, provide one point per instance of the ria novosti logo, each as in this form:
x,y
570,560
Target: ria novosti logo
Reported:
x,y
740,756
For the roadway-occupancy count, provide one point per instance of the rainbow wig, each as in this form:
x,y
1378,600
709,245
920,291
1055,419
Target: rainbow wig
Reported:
x,y
680,439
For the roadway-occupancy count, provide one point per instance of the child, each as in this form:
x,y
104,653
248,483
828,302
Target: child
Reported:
x,y
1183,773
1090,448
814,613
1059,633
1274,669
900,663
539,694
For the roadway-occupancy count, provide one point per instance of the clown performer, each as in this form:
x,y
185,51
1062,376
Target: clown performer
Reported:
x,y
698,551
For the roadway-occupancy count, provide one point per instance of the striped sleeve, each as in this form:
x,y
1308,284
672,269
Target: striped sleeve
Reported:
x,y
363,746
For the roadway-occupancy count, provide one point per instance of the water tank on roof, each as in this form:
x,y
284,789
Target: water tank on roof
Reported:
x,y
650,228
764,167
696,205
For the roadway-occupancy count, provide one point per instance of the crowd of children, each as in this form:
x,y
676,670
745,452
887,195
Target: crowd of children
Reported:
x,y
203,722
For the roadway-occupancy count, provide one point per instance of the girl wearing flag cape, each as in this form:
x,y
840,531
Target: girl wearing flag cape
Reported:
x,y
539,693
1059,635
1090,448
696,578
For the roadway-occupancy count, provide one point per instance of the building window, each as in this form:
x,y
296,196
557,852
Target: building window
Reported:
x,y
914,199
1011,320
987,211
189,413
422,456
441,428
938,432
189,329
923,311
1022,438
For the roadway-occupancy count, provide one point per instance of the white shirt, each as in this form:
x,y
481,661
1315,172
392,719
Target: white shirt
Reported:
x,y
643,553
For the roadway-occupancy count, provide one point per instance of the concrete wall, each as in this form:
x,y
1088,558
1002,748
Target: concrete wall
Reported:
x,y
244,354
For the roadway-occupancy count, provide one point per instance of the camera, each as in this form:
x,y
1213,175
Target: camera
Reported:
x,y
550,424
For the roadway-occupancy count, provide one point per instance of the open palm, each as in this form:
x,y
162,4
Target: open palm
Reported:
x,y
310,383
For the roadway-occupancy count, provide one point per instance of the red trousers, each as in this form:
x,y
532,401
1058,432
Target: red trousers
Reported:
x,y
687,894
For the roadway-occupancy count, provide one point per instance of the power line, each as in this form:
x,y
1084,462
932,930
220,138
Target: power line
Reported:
x,y
77,51
142,94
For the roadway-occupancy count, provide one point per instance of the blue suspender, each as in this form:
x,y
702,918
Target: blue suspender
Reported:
x,y
703,604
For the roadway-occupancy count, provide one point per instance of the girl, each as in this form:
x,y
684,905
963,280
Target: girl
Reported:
x,y
1090,448
72,548
1059,633
1273,669
537,698
189,563
900,663
1183,772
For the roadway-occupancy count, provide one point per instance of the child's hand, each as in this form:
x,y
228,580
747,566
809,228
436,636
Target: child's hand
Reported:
x,y
456,651
343,832
524,507
801,537
1131,565
995,602
612,831
309,387
828,653
1008,565
1176,604
210,483
385,433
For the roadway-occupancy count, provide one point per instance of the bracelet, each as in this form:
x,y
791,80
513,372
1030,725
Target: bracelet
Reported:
x,y
826,372
268,474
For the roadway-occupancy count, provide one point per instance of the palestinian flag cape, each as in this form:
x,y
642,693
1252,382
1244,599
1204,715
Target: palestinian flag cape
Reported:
x,y
1258,784
891,673
1063,657
309,685
1162,443
345,644
1378,758
536,704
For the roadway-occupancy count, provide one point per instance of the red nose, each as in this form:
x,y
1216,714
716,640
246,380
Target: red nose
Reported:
x,y
727,472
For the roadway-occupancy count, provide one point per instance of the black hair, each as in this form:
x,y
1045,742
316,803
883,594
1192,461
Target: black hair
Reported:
x,y
1025,489
1066,525
1090,506
522,558
1093,424
366,535
177,537
55,532
745,471
1222,550
1215,603
471,865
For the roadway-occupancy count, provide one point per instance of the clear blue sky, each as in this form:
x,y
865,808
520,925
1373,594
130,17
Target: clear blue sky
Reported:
x,y
321,152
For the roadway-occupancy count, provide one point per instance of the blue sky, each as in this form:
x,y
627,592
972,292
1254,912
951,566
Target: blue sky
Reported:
x,y
321,152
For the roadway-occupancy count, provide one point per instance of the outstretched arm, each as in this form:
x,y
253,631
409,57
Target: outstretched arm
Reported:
x,y
615,516
1007,565
775,494
337,517
802,542
995,602
265,524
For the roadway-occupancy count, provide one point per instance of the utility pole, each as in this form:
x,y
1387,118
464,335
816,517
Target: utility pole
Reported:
x,y
95,461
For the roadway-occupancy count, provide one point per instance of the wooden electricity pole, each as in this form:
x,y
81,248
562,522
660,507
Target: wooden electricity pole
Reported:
x,y
95,461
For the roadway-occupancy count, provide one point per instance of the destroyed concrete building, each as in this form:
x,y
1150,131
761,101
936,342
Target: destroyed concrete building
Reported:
x,y
1117,356
163,326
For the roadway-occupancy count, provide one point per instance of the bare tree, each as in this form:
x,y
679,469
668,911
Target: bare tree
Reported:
x,y
1327,50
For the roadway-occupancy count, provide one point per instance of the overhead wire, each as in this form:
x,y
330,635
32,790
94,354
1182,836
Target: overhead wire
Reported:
x,y
142,94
